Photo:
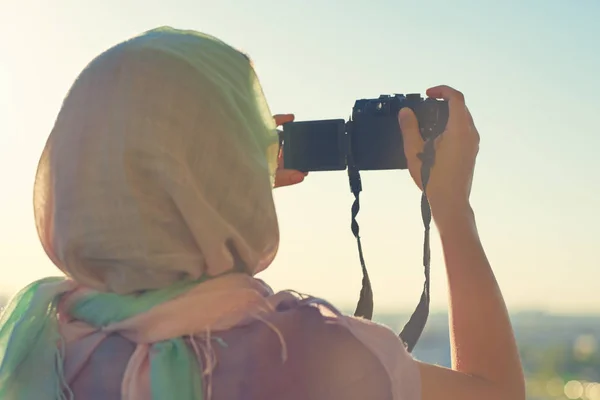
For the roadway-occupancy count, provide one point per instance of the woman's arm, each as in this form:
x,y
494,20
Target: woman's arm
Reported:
x,y
485,359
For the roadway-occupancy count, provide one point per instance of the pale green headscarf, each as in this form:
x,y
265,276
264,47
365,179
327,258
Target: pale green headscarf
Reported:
x,y
156,176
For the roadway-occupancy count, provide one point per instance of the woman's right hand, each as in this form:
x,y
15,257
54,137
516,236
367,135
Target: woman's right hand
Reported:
x,y
473,290
456,149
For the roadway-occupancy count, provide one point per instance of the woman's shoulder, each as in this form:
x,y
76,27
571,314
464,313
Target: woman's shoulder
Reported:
x,y
359,349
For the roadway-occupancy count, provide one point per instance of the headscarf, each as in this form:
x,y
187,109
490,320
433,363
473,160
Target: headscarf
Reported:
x,y
156,177
158,168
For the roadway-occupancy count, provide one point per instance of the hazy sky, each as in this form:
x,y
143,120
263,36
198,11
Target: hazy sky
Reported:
x,y
529,73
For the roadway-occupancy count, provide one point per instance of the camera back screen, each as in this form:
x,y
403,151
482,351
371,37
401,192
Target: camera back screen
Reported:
x,y
315,145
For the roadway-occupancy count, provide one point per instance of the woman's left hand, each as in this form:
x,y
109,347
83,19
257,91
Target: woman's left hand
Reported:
x,y
286,177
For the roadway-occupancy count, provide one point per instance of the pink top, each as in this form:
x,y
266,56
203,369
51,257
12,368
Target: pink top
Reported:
x,y
304,349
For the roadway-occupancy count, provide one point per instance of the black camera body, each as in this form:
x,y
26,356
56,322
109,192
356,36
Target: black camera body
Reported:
x,y
370,140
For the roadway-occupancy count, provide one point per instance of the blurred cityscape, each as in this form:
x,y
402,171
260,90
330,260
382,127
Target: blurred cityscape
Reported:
x,y
560,353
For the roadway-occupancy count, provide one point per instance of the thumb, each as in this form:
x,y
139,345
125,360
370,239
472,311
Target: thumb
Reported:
x,y
287,177
413,143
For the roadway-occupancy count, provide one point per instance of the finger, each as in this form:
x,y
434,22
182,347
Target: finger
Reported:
x,y
287,177
281,119
456,102
280,159
413,142
447,93
474,130
470,118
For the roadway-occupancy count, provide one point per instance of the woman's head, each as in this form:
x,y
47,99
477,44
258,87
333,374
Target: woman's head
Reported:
x,y
159,167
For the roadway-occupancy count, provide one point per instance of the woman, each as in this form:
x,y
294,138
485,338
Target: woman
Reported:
x,y
153,196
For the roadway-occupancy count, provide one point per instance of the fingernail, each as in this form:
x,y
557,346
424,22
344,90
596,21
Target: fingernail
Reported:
x,y
297,177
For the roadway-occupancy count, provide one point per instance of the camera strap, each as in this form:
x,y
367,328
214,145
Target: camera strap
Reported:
x,y
414,327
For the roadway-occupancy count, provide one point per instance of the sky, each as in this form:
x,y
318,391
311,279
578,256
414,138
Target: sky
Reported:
x,y
528,72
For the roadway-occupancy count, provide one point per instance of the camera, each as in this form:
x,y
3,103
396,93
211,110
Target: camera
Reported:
x,y
370,140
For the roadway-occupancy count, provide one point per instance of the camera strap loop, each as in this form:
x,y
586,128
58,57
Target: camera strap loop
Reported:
x,y
414,327
364,308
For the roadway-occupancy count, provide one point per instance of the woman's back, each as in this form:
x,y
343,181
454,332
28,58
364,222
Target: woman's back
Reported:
x,y
294,352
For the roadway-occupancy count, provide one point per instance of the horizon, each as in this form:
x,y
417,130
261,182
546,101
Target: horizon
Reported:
x,y
528,75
